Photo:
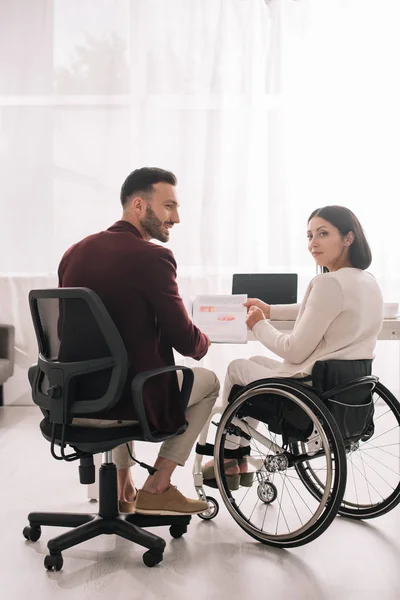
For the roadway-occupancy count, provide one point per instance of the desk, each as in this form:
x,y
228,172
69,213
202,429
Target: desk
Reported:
x,y
390,329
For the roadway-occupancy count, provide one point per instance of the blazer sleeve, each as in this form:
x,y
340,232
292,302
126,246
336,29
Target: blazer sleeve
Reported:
x,y
162,292
322,305
284,312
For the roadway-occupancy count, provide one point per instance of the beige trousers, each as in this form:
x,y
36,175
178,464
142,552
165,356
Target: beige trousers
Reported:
x,y
202,399
243,371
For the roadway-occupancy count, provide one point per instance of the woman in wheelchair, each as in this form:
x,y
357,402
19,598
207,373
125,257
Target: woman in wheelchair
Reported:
x,y
339,320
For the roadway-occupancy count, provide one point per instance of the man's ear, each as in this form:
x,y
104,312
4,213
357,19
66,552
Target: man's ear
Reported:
x,y
137,204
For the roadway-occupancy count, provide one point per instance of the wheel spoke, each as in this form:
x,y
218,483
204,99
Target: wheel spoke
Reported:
x,y
365,475
382,464
281,511
300,496
385,432
363,449
373,487
377,418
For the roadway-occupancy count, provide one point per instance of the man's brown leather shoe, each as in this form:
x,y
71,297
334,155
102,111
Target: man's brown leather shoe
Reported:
x,y
170,502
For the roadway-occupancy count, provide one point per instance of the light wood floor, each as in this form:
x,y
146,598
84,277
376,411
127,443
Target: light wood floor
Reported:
x,y
215,559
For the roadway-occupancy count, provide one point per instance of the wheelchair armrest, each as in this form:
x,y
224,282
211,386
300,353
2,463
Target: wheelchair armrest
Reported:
x,y
344,387
137,394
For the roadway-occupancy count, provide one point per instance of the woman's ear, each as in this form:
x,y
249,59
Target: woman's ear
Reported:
x,y
349,239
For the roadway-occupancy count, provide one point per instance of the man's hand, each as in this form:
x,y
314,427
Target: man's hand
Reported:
x,y
266,308
254,315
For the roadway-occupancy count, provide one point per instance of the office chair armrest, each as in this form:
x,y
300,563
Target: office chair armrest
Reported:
x,y
137,394
7,340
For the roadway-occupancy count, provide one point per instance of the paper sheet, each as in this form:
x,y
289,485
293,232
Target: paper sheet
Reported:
x,y
221,318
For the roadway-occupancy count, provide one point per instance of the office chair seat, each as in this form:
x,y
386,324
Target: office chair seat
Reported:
x,y
96,439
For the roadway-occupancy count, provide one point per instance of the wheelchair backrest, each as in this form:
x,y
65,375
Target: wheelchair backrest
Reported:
x,y
329,374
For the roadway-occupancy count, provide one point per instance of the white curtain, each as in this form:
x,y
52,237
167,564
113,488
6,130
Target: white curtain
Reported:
x,y
178,84
263,110
340,120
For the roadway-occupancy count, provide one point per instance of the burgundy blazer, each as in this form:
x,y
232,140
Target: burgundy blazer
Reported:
x,y
136,281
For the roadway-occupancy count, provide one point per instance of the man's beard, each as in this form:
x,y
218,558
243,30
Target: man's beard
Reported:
x,y
152,224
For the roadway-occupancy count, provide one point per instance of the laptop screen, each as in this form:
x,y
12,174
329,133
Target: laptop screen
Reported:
x,y
272,288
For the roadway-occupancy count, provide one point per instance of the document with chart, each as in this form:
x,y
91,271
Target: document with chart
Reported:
x,y
221,318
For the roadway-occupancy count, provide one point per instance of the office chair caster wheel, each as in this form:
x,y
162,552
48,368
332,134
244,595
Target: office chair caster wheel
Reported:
x,y
53,562
177,531
267,492
32,533
212,511
151,558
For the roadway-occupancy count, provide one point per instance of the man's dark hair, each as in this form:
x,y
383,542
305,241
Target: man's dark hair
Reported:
x,y
343,219
140,182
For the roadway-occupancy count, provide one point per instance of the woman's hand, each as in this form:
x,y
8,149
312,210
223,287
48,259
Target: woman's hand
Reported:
x,y
254,315
266,308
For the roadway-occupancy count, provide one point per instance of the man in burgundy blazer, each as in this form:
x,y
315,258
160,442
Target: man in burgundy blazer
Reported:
x,y
136,280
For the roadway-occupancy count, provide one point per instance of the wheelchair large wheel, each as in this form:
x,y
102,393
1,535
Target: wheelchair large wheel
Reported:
x,y
296,516
373,465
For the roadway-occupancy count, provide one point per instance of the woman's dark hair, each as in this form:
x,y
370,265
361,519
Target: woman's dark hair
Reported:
x,y
141,181
343,219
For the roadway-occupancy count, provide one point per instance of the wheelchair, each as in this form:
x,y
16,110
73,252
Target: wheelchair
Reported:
x,y
315,448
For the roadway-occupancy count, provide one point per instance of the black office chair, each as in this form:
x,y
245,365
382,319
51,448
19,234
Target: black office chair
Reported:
x,y
82,370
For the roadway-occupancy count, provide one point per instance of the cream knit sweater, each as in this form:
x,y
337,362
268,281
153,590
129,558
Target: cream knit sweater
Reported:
x,y
339,319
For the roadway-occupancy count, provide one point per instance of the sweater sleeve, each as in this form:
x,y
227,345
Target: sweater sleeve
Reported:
x,y
284,312
171,314
322,305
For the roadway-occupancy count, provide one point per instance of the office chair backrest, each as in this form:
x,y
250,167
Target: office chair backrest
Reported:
x,y
82,365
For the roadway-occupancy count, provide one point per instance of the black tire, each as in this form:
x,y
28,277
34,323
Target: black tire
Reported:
x,y
151,558
53,562
177,531
213,509
32,533
333,452
362,499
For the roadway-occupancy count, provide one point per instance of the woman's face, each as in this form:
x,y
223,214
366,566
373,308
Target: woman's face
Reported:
x,y
327,245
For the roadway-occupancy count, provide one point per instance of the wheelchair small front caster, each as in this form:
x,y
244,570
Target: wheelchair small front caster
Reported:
x,y
151,558
53,562
212,511
32,533
267,492
177,531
